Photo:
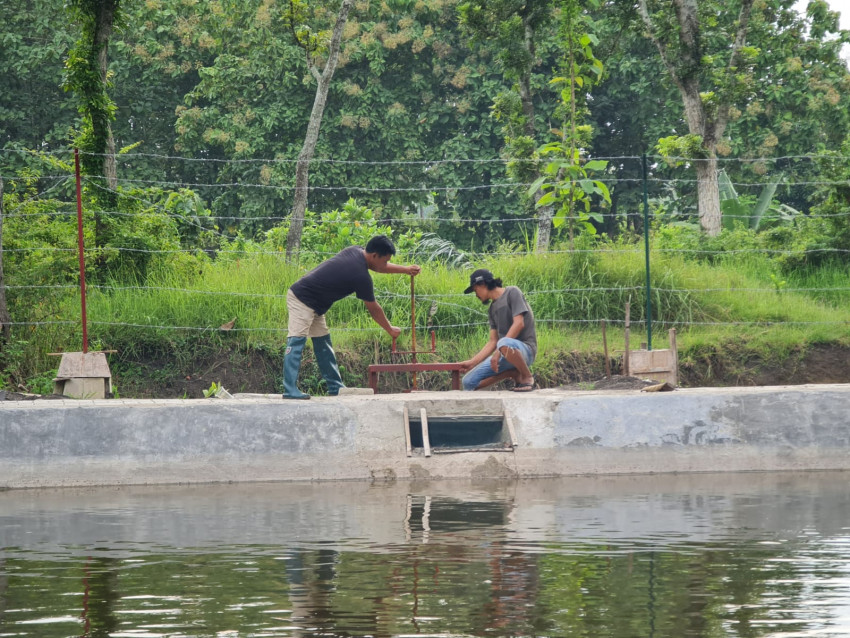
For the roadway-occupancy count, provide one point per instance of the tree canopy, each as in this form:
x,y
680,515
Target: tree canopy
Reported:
x,y
434,107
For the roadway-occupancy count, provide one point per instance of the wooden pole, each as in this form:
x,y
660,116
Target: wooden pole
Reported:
x,y
605,349
626,353
674,353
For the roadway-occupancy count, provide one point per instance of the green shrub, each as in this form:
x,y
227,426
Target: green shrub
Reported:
x,y
325,234
833,209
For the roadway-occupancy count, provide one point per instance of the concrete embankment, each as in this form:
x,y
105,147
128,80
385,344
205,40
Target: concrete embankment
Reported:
x,y
544,433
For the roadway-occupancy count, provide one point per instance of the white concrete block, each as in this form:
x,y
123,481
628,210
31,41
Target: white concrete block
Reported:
x,y
85,388
355,391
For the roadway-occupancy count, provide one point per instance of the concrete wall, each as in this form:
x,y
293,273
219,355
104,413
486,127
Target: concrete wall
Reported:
x,y
255,438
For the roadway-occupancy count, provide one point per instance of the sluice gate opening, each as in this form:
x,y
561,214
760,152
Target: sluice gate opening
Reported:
x,y
451,433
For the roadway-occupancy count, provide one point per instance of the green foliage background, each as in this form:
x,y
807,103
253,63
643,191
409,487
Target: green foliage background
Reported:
x,y
425,139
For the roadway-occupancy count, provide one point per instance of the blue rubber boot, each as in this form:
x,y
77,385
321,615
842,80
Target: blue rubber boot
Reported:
x,y
291,366
326,358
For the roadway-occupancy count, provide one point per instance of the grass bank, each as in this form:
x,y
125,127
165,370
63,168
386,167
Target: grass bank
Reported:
x,y
731,314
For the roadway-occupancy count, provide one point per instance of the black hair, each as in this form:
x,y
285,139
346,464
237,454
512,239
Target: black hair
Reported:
x,y
493,284
380,244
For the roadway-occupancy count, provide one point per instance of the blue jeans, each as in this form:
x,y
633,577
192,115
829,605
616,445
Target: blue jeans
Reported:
x,y
483,370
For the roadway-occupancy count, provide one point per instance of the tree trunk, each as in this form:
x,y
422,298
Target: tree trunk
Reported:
x,y
544,215
104,23
683,64
544,225
302,168
708,195
5,318
708,190
694,109
110,171
525,82
610,220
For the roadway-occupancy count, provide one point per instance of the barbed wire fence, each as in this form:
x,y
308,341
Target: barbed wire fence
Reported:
x,y
664,181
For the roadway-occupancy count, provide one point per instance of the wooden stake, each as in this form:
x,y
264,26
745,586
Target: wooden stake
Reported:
x,y
426,439
605,349
626,353
407,431
674,353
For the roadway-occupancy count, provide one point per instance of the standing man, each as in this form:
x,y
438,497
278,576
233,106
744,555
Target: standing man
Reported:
x,y
513,339
310,297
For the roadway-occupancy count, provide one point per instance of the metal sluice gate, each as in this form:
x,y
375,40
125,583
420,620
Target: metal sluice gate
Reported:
x,y
414,366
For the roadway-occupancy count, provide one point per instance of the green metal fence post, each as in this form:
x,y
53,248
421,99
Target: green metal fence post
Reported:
x,y
646,251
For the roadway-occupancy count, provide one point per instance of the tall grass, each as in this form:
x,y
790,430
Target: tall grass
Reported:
x,y
177,312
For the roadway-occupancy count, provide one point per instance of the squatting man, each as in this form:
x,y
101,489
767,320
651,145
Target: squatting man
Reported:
x,y
512,346
309,298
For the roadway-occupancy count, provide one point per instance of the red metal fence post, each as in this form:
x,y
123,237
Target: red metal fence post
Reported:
x,y
82,256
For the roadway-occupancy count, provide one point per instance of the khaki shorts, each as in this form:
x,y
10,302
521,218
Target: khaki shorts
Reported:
x,y
303,320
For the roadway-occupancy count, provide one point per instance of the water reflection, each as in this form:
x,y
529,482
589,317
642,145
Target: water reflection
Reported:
x,y
703,556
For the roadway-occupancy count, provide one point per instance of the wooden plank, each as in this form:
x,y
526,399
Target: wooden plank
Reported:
x,y
660,365
414,367
426,441
605,349
509,422
59,354
407,432
626,370
674,361
455,450
82,365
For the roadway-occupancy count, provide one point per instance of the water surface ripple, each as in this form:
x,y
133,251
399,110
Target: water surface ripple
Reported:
x,y
745,555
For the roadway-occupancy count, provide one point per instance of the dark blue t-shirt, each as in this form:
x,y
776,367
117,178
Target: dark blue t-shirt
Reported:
x,y
338,277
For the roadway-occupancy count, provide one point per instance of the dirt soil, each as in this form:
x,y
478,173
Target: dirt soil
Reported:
x,y
821,363
260,372
7,395
614,382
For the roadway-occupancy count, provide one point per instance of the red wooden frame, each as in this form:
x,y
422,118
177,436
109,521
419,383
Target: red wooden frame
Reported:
x,y
376,368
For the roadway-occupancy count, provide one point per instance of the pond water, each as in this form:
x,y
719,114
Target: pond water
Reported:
x,y
674,556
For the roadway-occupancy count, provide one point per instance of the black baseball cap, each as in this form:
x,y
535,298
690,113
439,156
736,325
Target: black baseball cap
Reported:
x,y
480,276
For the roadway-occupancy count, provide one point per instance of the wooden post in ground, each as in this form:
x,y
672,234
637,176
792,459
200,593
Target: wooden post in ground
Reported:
x,y
626,353
605,349
674,353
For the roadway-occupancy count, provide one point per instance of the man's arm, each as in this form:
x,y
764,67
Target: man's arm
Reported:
x,y
485,352
516,327
380,318
512,333
396,269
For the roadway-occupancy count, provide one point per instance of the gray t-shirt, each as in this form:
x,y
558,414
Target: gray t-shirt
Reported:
x,y
502,313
